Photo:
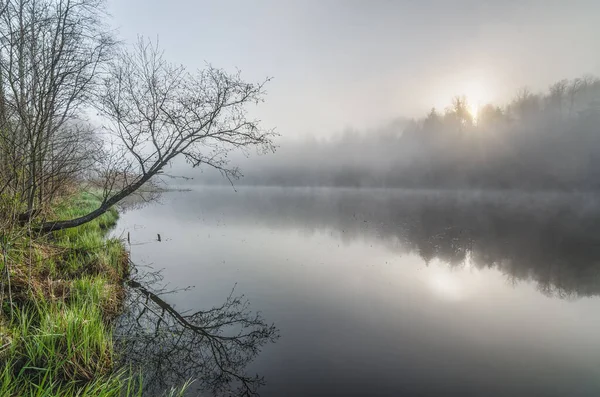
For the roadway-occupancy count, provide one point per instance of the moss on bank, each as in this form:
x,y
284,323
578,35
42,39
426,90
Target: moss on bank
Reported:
x,y
60,294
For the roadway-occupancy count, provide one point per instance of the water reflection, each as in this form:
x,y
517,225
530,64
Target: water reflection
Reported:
x,y
391,292
211,347
552,240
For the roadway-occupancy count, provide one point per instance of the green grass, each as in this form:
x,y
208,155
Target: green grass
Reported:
x,y
56,338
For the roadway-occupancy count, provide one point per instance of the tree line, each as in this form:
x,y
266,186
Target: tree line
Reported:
x,y
551,239
538,141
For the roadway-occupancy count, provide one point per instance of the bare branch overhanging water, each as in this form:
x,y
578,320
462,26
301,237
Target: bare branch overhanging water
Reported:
x,y
211,347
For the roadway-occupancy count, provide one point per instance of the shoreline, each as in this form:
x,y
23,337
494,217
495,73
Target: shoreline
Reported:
x,y
61,294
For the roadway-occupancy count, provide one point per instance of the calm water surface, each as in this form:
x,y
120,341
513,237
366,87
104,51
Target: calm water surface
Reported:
x,y
389,293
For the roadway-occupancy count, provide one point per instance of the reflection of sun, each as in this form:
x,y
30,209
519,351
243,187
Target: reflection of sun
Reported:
x,y
446,286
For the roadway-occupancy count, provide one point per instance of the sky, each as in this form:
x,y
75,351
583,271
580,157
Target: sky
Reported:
x,y
359,64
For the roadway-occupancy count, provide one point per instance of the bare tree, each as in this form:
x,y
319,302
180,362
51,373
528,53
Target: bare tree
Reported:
x,y
557,95
157,111
525,104
51,52
574,88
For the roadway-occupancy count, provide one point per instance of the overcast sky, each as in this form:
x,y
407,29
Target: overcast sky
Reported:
x,y
339,64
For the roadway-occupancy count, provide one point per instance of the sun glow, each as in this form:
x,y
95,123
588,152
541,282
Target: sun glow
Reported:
x,y
446,286
474,87
473,110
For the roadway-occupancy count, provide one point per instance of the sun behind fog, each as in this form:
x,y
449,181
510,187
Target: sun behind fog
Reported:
x,y
473,110
475,90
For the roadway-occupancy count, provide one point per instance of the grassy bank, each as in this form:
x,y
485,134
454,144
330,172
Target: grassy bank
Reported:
x,y
60,294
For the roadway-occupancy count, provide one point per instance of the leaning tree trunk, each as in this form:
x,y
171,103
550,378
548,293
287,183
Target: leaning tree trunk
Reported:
x,y
53,226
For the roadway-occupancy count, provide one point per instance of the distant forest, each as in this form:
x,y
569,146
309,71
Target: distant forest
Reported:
x,y
537,141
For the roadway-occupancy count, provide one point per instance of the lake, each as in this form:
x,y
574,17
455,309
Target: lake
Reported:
x,y
382,292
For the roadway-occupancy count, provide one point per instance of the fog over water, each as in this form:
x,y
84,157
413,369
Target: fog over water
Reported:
x,y
429,224
454,254
384,292
536,141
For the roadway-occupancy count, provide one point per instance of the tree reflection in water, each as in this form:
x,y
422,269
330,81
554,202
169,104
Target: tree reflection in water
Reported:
x,y
549,239
210,347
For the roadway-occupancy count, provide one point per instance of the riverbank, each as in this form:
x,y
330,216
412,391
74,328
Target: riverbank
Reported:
x,y
60,296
